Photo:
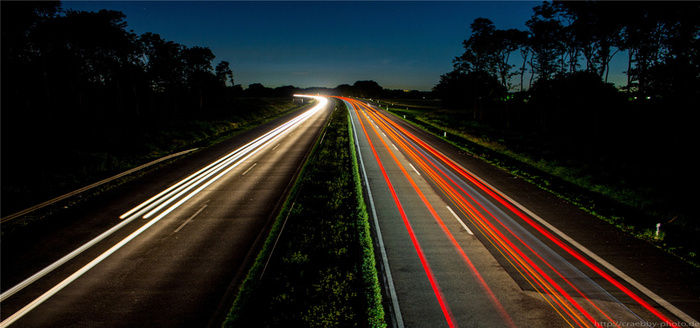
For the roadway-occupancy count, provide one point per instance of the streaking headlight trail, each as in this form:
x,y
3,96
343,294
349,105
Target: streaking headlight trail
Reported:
x,y
202,178
159,206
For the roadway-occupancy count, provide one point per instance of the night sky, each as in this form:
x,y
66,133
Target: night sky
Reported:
x,y
401,45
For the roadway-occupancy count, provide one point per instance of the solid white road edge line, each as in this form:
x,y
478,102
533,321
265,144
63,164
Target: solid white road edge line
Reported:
x,y
75,275
128,217
656,298
63,260
90,265
385,260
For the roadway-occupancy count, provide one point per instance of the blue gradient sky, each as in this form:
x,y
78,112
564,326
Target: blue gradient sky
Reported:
x,y
401,45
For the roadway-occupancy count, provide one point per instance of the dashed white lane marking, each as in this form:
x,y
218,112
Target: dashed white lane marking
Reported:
x,y
460,221
250,168
191,218
414,169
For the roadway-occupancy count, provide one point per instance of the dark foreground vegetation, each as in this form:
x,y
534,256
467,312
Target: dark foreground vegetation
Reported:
x,y
84,99
321,270
623,154
45,160
633,180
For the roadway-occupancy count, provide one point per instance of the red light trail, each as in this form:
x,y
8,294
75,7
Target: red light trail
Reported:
x,y
540,273
428,271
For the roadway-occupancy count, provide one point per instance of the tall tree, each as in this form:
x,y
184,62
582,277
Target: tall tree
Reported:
x,y
22,53
198,71
595,28
479,49
367,89
86,69
488,50
506,41
662,42
163,62
522,40
164,68
546,41
474,89
224,73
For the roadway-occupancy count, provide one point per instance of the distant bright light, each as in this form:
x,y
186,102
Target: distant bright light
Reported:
x,y
181,191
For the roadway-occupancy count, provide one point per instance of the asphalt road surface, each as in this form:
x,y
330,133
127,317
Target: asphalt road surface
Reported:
x,y
467,245
167,250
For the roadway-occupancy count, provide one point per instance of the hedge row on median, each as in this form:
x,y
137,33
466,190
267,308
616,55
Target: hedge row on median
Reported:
x,y
317,268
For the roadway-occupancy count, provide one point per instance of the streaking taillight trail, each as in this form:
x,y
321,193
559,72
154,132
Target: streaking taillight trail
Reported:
x,y
419,250
579,300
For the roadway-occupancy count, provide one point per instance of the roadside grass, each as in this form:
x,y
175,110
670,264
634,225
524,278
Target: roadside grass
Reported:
x,y
317,267
102,151
592,187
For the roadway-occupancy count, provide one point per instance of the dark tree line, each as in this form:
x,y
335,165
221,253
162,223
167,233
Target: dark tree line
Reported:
x,y
65,64
362,89
557,105
565,39
82,68
83,97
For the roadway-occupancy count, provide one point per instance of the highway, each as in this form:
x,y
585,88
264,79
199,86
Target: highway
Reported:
x,y
456,251
166,250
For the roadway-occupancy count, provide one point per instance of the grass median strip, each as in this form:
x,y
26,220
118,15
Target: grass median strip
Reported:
x,y
317,268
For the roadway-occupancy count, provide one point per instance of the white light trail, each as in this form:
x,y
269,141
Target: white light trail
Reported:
x,y
200,180
158,202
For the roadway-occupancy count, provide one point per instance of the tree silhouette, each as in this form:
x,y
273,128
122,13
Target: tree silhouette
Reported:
x,y
594,30
198,72
80,66
480,49
224,73
22,48
546,41
475,89
367,89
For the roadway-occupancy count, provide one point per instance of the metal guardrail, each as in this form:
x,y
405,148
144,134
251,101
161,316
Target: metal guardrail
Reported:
x,y
96,184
